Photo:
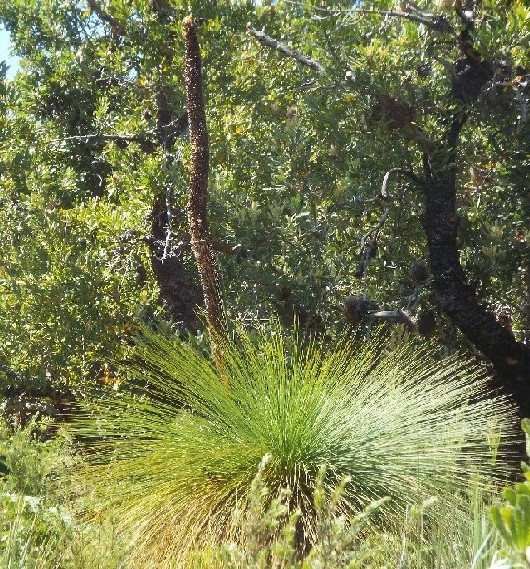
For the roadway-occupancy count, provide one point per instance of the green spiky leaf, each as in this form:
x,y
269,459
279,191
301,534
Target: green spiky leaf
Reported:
x,y
174,453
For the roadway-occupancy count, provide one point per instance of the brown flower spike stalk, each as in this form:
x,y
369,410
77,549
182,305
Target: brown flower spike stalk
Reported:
x,y
201,242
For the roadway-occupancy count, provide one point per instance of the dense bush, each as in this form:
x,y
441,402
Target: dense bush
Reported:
x,y
43,531
93,178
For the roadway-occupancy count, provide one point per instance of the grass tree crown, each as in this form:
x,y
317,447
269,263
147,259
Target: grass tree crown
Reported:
x,y
177,449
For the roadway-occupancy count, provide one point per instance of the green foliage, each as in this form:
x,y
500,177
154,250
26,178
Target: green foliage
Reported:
x,y
176,450
457,535
38,528
69,285
30,465
28,523
43,531
512,520
296,162
294,168
265,532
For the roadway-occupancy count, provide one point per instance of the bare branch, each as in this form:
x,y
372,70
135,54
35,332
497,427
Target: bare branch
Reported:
x,y
328,10
467,16
128,138
368,243
394,317
432,21
266,40
117,27
148,140
383,193
374,231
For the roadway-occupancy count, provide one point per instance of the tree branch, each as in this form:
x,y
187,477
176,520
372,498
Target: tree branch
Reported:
x,y
457,298
434,22
148,144
383,194
117,27
266,40
147,141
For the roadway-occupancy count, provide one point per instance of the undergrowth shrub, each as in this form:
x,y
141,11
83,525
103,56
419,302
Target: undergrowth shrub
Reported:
x,y
263,534
512,520
38,526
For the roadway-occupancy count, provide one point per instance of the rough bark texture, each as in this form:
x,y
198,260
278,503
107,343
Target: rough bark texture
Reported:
x,y
180,293
457,298
201,242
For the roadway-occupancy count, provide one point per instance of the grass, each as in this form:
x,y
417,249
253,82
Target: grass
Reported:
x,y
175,452
45,531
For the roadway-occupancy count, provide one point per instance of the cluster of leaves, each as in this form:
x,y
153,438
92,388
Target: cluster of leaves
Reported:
x,y
512,521
296,160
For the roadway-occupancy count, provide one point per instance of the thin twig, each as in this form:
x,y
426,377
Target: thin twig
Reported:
x,y
97,136
266,40
432,21
374,231
435,22
368,243
383,193
169,228
319,9
173,129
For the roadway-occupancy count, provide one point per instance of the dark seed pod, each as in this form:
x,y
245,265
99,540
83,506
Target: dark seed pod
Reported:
x,y
141,274
283,293
504,317
426,323
371,250
147,146
355,309
359,271
121,143
419,272
423,70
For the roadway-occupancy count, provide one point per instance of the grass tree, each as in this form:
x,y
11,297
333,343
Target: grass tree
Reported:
x,y
175,451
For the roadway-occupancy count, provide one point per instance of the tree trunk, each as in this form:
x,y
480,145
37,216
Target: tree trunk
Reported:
x,y
510,359
180,293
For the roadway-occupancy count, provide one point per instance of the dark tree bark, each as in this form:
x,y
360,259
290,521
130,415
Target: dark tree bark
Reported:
x,y
458,300
180,293
510,359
